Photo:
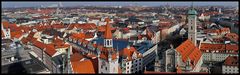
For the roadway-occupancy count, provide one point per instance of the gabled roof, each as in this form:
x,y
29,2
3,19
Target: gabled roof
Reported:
x,y
188,51
128,53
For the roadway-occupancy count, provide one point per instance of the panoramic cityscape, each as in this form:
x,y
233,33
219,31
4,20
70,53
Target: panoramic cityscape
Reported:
x,y
120,37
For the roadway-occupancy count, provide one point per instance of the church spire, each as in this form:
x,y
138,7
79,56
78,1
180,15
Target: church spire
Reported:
x,y
108,33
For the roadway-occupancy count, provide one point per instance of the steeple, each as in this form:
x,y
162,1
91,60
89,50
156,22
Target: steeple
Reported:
x,y
192,11
108,33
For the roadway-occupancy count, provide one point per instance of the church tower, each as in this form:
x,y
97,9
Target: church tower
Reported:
x,y
107,56
192,25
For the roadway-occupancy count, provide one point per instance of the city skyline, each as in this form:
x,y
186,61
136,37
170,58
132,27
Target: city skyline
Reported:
x,y
114,3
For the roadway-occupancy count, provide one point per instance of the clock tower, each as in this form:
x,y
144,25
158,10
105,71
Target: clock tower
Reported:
x,y
192,25
107,56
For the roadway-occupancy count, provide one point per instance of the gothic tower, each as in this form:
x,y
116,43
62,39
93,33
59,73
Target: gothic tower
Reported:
x,y
107,56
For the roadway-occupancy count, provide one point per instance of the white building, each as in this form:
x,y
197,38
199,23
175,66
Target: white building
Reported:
x,y
192,25
132,60
218,52
6,32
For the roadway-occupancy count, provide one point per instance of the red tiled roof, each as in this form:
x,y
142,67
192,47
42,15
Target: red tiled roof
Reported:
x,y
39,44
5,24
58,26
188,50
78,36
232,36
89,35
210,13
24,40
104,53
219,47
16,34
50,50
129,52
86,26
218,31
76,57
231,61
85,66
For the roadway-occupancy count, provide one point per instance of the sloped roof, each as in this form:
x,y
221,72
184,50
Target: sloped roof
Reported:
x,y
86,66
39,44
128,53
231,61
50,50
219,47
188,51
108,32
76,57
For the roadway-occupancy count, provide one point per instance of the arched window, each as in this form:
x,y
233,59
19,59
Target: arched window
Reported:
x,y
107,42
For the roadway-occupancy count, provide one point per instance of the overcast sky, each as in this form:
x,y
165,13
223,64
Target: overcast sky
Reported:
x,y
122,3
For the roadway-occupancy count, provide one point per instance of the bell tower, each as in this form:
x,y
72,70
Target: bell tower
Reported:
x,y
192,25
108,57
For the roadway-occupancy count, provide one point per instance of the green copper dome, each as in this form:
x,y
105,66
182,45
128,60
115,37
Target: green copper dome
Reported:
x,y
192,12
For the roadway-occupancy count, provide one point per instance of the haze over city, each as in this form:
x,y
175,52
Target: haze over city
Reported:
x,y
115,3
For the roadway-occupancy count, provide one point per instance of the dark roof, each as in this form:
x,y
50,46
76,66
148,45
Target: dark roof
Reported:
x,y
117,43
153,28
133,19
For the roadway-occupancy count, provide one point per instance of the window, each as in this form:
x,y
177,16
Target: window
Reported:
x,y
106,68
191,28
107,42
